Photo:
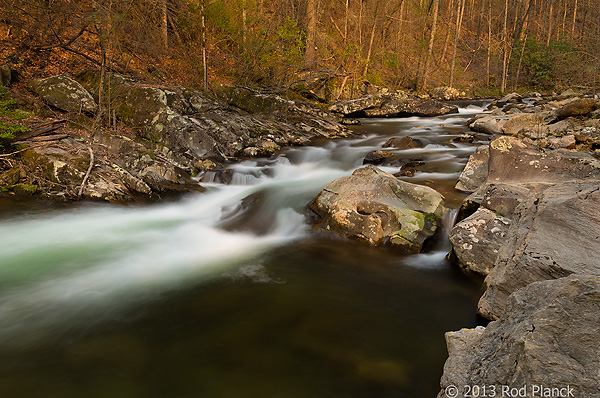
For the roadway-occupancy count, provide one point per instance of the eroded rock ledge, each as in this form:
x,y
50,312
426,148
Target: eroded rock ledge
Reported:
x,y
548,338
175,133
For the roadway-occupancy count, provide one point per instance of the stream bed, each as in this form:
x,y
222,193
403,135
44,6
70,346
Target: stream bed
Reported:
x,y
229,293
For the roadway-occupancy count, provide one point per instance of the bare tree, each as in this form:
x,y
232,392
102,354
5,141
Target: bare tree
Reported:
x,y
436,5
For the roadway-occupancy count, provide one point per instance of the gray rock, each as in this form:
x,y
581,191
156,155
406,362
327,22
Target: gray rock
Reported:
x,y
65,93
579,107
461,347
477,239
520,122
347,108
375,207
567,141
391,106
555,235
491,124
377,157
475,172
444,93
547,337
515,160
195,126
403,143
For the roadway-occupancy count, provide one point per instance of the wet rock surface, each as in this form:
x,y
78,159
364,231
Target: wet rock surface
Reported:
x,y
375,207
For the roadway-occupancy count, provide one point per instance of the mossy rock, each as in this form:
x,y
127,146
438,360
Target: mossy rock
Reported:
x,y
64,93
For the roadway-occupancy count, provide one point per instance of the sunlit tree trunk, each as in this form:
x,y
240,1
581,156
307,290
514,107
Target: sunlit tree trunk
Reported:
x,y
550,24
310,53
489,46
436,5
459,15
164,23
504,49
203,45
372,38
574,19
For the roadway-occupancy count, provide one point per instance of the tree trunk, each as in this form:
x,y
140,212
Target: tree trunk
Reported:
x,y
459,15
489,46
371,40
346,22
244,26
436,4
164,23
550,25
203,40
504,49
310,53
520,63
574,19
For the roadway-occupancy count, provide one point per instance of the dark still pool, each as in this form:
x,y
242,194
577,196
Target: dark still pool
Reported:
x,y
230,293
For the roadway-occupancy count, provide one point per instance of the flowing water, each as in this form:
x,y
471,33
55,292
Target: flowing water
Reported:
x,y
228,293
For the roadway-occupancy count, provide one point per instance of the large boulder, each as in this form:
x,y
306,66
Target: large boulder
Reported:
x,y
555,235
490,124
515,160
195,126
477,239
391,106
375,207
578,107
65,93
476,170
529,197
546,345
521,121
444,93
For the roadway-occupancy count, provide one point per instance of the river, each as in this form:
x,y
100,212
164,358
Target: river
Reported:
x,y
228,293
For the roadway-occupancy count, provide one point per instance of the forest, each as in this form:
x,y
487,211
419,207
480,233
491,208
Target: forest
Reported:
x,y
481,47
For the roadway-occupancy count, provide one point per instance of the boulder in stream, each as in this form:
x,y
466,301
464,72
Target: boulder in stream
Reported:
x,y
546,341
391,106
375,207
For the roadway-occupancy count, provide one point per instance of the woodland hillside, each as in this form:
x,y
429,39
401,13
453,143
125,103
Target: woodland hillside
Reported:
x,y
481,47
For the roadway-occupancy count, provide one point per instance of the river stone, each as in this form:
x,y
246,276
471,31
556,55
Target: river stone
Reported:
x,y
477,239
377,157
520,122
405,142
476,171
411,106
491,124
554,235
461,346
375,207
390,106
566,141
578,107
64,93
515,160
547,337
347,108
444,93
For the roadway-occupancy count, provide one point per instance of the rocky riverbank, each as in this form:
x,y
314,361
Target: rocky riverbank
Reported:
x,y
531,227
131,140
